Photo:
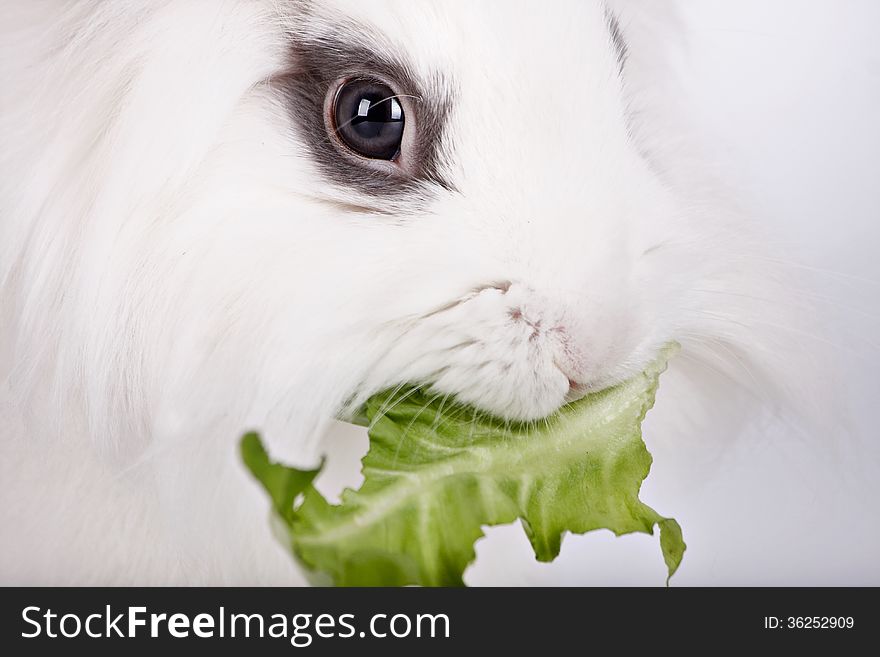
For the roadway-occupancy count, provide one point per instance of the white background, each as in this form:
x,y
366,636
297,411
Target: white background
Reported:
x,y
790,92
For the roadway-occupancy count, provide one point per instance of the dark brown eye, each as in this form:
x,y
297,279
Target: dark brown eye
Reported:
x,y
369,119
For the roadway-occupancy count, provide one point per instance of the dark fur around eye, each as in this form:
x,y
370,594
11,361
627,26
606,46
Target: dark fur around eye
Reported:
x,y
318,63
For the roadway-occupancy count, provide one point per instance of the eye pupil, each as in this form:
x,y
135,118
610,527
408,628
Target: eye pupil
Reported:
x,y
369,119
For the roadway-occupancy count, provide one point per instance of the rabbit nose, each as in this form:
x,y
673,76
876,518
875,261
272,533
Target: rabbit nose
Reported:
x,y
567,360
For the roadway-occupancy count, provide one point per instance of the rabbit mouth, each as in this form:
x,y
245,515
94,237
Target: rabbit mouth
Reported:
x,y
577,391
502,348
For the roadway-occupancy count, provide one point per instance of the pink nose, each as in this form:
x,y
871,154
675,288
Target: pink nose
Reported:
x,y
545,320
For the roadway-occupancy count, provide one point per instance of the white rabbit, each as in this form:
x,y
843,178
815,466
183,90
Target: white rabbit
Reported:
x,y
254,214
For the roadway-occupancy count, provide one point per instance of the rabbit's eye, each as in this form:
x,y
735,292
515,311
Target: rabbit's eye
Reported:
x,y
368,119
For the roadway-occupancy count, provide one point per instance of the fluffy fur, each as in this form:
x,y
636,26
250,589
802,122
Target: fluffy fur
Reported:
x,y
176,267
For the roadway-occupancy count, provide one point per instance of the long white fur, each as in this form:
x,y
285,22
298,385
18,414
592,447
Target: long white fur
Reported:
x,y
174,270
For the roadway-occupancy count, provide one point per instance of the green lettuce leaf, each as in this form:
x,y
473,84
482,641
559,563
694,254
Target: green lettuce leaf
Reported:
x,y
437,472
